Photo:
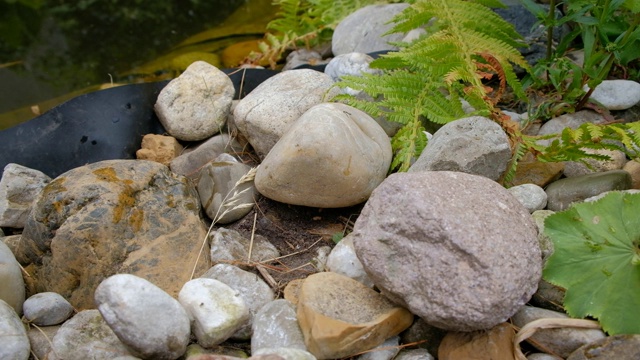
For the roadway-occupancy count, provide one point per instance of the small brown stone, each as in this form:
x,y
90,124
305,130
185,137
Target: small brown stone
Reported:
x,y
495,343
532,171
159,148
292,290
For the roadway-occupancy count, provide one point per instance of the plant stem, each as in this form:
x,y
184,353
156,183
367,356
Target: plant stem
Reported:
x,y
551,22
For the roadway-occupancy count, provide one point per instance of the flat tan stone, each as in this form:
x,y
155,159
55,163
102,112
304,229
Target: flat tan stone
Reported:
x,y
292,290
532,171
496,343
339,316
159,148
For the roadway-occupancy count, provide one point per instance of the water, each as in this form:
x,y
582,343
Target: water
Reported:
x,y
53,50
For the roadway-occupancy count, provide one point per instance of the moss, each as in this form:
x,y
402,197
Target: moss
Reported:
x,y
106,174
136,219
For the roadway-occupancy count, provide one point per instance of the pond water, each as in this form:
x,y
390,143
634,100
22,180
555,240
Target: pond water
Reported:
x,y
52,50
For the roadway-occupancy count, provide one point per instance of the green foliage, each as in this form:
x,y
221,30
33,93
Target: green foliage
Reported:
x,y
466,44
597,259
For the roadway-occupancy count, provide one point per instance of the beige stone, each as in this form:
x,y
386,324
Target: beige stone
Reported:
x,y
496,343
633,168
532,171
159,148
339,316
292,290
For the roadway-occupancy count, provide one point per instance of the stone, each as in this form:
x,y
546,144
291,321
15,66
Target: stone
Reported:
x,y
433,258
303,57
548,296
275,325
285,353
46,309
633,168
474,145
191,161
195,351
40,339
333,156
14,342
616,162
424,335
230,246
616,94
622,346
364,30
195,105
546,245
414,354
292,290
344,261
573,120
542,356
531,196
148,320
495,343
224,197
251,288
561,341
340,317
354,64
216,310
12,290
86,336
564,192
113,216
385,351
266,113
159,148
532,171
19,187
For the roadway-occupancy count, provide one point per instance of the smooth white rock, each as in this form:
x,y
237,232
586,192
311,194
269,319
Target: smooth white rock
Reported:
x,y
414,354
616,94
47,308
19,187
531,196
343,260
230,246
144,317
354,63
12,290
216,310
286,353
276,326
385,351
14,342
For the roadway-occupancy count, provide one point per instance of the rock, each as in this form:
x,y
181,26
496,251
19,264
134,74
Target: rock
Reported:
x,y
217,311
414,354
251,288
561,341
532,171
542,356
224,194
385,351
40,339
546,245
303,57
548,296
46,309
531,196
114,216
616,94
354,64
495,343
191,162
633,168
333,156
343,260
12,290
363,31
601,195
616,162
562,193
432,256
612,347
474,145
425,335
144,317
195,351
292,290
275,325
265,114
340,317
320,260
230,246
574,120
195,105
86,336
285,353
19,187
159,148
14,342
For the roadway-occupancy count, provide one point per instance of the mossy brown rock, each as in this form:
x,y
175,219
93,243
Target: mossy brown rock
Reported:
x,y
340,317
110,217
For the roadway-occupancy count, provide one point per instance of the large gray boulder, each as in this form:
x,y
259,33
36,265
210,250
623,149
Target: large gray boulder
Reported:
x,y
114,216
455,249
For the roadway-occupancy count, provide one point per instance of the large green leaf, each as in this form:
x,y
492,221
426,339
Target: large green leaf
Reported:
x,y
597,259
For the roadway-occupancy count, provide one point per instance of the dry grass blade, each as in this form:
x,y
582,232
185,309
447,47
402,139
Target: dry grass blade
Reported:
x,y
548,323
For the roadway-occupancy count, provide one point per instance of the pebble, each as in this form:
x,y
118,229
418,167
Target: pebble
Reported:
x,y
266,113
86,336
14,342
623,346
19,187
46,309
494,343
333,156
573,120
562,193
40,339
159,148
385,351
532,171
549,296
531,196
251,288
363,30
12,290
230,246
542,356
633,168
343,260
195,105
148,320
224,197
424,335
340,317
616,162
354,64
286,353
275,325
562,341
546,245
216,310
190,163
303,57
616,94
412,248
473,145
414,354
